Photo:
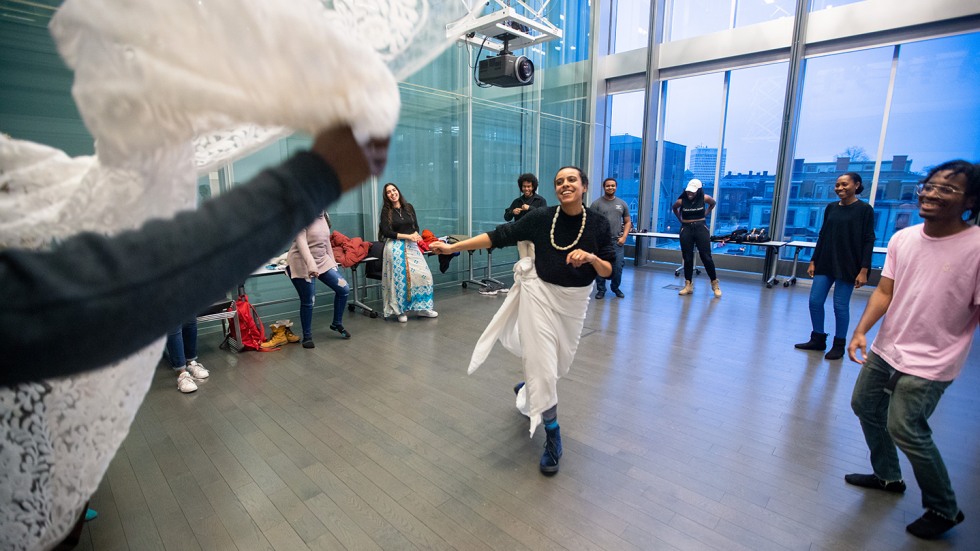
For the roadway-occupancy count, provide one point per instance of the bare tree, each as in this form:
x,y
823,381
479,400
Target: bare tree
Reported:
x,y
854,152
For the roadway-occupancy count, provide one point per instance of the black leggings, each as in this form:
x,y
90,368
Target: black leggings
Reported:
x,y
696,233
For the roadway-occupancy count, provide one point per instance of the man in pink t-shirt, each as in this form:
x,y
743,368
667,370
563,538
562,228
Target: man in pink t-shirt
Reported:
x,y
930,290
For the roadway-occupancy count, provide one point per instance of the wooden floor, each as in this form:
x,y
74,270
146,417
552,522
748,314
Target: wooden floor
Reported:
x,y
688,423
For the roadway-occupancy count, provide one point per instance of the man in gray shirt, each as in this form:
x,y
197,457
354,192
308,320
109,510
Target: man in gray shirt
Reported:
x,y
617,212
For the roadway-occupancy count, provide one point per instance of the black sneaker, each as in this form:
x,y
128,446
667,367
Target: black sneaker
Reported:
x,y
619,294
340,329
932,525
599,295
872,481
308,343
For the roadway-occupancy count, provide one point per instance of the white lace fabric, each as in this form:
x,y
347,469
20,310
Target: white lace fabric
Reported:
x,y
168,89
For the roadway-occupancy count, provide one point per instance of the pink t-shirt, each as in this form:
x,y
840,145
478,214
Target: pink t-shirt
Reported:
x,y
935,308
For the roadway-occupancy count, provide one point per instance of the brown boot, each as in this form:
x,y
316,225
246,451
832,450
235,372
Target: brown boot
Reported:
x,y
278,337
715,288
688,288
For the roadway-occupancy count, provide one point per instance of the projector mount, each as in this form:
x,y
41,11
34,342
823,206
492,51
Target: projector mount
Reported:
x,y
504,30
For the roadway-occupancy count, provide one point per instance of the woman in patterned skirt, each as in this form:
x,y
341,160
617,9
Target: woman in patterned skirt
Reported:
x,y
406,281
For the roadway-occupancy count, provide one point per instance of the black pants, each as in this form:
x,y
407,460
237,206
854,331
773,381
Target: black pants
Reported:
x,y
696,233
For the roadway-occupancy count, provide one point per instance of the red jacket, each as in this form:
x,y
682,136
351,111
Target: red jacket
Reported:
x,y
348,251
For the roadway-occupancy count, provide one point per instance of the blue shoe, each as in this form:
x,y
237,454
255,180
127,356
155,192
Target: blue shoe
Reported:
x,y
91,514
518,387
552,451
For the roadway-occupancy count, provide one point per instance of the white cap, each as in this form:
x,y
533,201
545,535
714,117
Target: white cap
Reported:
x,y
693,186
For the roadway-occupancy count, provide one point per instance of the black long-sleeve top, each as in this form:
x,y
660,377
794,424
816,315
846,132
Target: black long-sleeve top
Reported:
x,y
846,240
534,202
549,262
141,283
397,221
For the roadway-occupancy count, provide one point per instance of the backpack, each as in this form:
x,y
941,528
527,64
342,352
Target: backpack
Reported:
x,y
246,332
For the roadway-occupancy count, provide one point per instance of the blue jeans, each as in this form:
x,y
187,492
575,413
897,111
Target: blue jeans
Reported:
x,y
901,418
842,298
182,344
617,271
307,293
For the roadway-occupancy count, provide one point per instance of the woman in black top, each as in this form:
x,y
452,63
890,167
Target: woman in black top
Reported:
x,y
692,208
572,245
841,258
406,281
527,200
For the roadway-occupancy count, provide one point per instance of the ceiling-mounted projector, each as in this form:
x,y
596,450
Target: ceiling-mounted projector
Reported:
x,y
506,70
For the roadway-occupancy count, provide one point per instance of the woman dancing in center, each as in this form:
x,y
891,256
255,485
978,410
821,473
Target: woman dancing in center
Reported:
x,y
546,307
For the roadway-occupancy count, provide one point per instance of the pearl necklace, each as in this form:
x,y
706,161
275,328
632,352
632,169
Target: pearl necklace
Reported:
x,y
580,230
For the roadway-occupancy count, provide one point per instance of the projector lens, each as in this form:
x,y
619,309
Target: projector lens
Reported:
x,y
525,69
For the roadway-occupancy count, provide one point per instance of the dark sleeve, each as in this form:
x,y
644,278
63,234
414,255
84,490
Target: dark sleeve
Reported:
x,y
604,240
525,229
538,202
818,248
509,213
415,219
385,230
144,282
868,237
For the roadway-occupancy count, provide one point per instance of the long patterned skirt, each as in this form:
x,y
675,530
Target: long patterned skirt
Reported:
x,y
406,282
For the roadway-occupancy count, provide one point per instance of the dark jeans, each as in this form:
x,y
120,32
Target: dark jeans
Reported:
x,y
182,344
901,417
617,271
696,233
307,296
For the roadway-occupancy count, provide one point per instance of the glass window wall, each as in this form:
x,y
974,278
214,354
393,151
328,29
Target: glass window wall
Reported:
x,y
631,25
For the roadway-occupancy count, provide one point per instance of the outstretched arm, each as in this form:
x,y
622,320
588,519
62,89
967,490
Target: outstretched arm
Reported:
x,y
154,278
481,241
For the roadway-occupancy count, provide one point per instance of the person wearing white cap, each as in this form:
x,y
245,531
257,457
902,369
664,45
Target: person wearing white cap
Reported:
x,y
692,208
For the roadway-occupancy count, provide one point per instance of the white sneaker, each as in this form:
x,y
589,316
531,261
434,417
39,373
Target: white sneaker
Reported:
x,y
488,291
402,318
197,370
185,382
427,314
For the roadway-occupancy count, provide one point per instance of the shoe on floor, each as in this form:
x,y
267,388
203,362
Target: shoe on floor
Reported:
x,y
688,288
488,291
308,343
503,289
402,318
427,314
552,451
291,337
518,387
91,514
340,329
197,370
932,525
185,382
600,295
619,294
872,481
715,288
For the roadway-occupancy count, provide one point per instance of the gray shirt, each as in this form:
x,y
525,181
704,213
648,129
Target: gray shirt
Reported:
x,y
616,211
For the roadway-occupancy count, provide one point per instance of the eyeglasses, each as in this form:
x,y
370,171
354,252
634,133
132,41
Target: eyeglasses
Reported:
x,y
925,187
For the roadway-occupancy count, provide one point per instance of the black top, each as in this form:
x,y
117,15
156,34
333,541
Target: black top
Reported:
x,y
846,240
692,209
534,202
145,282
549,262
401,220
